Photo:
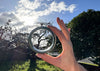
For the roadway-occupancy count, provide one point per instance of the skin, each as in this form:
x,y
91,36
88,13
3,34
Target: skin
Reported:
x,y
66,60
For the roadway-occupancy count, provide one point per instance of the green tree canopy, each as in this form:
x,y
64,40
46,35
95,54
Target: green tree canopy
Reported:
x,y
85,34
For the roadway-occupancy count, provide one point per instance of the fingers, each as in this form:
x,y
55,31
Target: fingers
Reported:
x,y
58,33
48,58
63,28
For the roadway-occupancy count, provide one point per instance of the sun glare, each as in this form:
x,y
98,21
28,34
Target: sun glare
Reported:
x,y
28,20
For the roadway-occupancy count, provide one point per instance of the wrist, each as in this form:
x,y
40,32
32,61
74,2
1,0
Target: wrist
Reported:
x,y
71,67
76,67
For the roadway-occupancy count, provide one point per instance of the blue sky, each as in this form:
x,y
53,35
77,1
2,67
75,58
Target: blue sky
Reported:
x,y
20,10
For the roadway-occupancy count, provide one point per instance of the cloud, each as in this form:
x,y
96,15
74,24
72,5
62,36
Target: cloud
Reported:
x,y
71,8
4,17
28,12
29,4
57,7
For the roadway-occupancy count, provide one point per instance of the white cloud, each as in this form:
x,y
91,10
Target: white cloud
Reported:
x,y
57,7
29,4
71,8
28,12
4,17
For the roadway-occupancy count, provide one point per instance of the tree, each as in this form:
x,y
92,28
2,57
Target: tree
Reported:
x,y
6,31
85,34
14,46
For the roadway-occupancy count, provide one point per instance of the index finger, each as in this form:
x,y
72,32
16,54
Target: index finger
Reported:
x,y
63,28
58,33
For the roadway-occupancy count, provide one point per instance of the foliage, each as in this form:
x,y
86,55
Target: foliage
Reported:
x,y
14,46
15,54
41,66
58,46
85,34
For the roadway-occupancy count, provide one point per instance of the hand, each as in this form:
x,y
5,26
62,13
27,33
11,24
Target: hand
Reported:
x,y
66,59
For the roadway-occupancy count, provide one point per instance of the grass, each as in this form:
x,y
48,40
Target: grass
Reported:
x,y
38,65
46,66
25,66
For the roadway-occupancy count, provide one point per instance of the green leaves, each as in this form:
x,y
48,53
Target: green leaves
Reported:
x,y
85,33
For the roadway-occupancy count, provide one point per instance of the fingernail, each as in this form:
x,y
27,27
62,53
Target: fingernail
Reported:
x,y
58,17
69,29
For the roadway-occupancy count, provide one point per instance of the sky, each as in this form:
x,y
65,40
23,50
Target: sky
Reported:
x,y
26,13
